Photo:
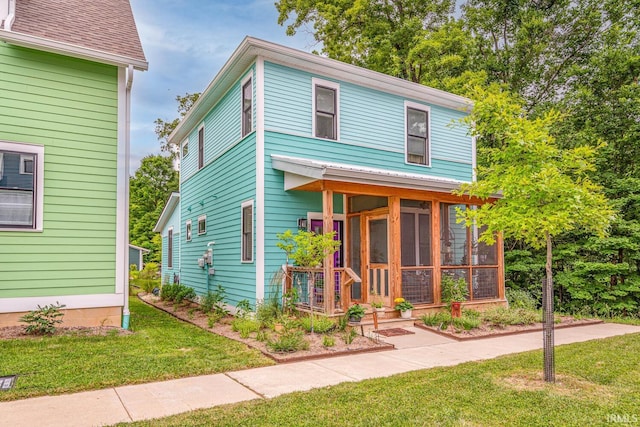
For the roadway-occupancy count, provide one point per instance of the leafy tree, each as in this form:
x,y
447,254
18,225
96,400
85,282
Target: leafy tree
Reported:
x,y
164,128
149,189
546,190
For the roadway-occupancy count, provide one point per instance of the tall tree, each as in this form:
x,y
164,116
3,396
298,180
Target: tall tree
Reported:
x,y
164,128
546,190
149,189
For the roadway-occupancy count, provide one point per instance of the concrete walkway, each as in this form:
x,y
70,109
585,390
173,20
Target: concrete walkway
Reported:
x,y
422,350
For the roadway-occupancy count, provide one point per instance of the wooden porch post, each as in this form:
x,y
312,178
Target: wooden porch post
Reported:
x,y
327,226
437,253
500,247
395,258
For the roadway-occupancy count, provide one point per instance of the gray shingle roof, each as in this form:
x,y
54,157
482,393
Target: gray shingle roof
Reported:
x,y
103,25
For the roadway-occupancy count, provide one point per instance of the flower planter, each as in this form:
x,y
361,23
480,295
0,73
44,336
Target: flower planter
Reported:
x,y
354,319
381,312
455,309
406,314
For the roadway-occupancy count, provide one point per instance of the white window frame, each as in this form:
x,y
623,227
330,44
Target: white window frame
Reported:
x,y
331,85
188,230
170,247
200,164
247,79
184,148
253,234
38,151
426,109
202,218
1,164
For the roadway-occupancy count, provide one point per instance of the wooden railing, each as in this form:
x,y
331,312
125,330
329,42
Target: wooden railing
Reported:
x,y
311,291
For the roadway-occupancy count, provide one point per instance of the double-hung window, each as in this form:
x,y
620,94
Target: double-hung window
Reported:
x,y
326,106
200,147
170,248
188,230
247,231
202,224
247,108
417,134
21,186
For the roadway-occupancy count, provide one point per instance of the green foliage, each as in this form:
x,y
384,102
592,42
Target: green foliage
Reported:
x,y
349,335
212,319
268,311
149,189
356,311
164,128
243,308
440,319
328,341
321,324
289,341
148,277
519,298
454,290
502,316
306,248
177,293
245,326
43,321
214,301
290,299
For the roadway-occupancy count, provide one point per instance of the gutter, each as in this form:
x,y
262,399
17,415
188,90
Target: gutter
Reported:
x,y
67,49
11,17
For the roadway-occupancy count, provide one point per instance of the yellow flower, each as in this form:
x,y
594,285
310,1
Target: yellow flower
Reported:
x,y
398,300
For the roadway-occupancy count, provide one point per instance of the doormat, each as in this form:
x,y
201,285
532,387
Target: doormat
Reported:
x,y
394,332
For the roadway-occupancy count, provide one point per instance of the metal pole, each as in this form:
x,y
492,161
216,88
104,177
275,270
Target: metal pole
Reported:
x,y
547,330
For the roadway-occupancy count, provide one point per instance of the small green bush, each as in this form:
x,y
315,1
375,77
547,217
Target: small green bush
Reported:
x,y
214,301
519,298
466,322
349,335
268,311
245,326
184,293
437,319
168,292
43,321
243,308
321,324
502,316
288,342
328,341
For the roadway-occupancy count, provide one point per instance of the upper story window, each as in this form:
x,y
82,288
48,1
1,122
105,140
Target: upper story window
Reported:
x,y
326,107
247,110
185,148
201,147
170,248
21,186
417,134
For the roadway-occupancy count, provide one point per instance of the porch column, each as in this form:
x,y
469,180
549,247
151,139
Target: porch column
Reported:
x,y
327,226
395,257
500,248
437,254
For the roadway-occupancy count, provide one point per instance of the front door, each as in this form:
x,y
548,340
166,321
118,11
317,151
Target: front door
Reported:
x,y
377,258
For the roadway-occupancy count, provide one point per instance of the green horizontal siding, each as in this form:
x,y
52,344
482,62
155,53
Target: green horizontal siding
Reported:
x,y
69,106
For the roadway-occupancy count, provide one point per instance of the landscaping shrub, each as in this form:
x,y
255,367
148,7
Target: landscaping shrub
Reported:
x,y
321,324
440,319
328,341
243,308
214,301
245,326
168,292
288,342
466,322
177,293
268,311
520,298
43,321
502,316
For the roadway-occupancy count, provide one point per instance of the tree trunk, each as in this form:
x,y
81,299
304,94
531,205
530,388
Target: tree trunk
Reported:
x,y
548,325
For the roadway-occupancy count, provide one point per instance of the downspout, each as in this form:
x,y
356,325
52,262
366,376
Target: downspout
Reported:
x,y
126,314
11,15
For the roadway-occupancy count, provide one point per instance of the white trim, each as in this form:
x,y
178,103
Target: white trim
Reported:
x,y
167,211
74,51
247,78
188,230
15,305
202,218
317,216
426,109
259,205
253,233
198,167
1,164
22,169
331,85
38,186
474,159
122,189
185,144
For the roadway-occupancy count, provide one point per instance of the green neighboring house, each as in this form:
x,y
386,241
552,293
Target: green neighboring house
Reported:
x,y
66,70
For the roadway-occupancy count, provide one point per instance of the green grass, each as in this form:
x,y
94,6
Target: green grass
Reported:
x,y
596,379
161,348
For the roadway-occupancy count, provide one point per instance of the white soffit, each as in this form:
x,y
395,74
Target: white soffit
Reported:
x,y
299,171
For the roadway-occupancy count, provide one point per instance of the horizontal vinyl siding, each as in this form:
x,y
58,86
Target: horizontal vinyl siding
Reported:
x,y
222,129
368,118
173,221
218,191
70,107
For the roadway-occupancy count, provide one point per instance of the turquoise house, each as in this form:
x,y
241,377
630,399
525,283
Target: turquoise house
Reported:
x,y
283,139
66,73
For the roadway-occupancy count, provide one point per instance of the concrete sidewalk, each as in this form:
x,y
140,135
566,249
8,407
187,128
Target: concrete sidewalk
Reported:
x,y
138,402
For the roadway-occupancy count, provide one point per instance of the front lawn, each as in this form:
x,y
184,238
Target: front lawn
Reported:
x,y
598,384
160,348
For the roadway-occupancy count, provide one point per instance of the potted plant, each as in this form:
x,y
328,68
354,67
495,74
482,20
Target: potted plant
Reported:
x,y
355,313
404,306
454,292
378,307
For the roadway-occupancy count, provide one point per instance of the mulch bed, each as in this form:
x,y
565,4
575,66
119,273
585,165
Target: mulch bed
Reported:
x,y
17,332
189,313
486,331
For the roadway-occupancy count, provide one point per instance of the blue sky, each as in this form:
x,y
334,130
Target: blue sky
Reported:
x,y
186,43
